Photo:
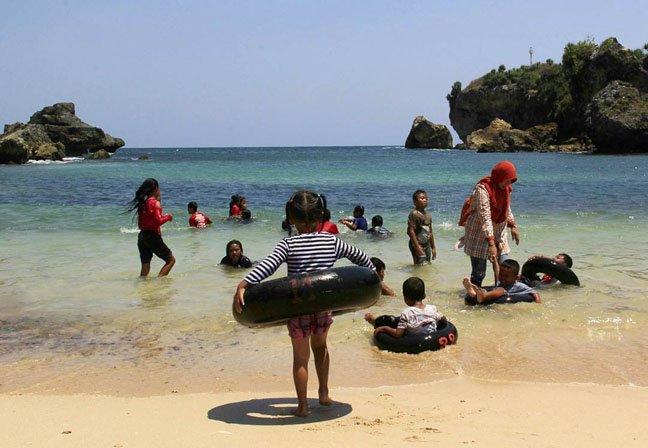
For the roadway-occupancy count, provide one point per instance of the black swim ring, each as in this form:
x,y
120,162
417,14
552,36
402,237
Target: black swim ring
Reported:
x,y
446,334
340,290
549,266
516,298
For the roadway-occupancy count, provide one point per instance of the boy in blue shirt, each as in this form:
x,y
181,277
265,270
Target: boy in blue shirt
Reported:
x,y
359,222
508,286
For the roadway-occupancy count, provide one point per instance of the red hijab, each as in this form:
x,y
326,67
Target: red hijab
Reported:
x,y
499,198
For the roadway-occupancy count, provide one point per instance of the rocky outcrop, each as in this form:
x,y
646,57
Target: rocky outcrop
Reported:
x,y
596,96
478,105
99,155
500,136
425,134
617,118
51,134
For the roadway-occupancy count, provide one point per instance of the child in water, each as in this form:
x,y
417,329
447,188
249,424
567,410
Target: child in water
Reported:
x,y
197,219
417,318
310,250
326,225
377,229
508,285
358,222
380,270
234,255
234,209
419,230
149,220
547,280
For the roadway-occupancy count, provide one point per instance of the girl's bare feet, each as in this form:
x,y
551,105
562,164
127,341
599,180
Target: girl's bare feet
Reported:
x,y
301,411
324,398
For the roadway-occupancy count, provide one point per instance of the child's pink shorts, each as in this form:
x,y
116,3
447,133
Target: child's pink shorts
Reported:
x,y
309,324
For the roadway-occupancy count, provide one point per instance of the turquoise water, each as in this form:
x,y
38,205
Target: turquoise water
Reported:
x,y
71,300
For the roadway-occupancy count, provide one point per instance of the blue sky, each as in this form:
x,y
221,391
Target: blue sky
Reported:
x,y
277,73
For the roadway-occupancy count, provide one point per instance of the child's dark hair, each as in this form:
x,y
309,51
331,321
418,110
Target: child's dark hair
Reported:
x,y
246,214
416,193
327,215
359,209
414,289
378,263
511,265
305,206
143,193
568,260
231,243
376,221
193,205
234,200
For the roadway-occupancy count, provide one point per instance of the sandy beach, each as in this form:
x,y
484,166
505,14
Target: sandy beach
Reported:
x,y
455,412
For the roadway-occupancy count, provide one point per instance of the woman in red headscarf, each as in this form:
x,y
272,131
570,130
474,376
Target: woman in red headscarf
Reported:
x,y
487,217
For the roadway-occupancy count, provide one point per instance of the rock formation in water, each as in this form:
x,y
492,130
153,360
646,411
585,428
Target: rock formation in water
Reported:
x,y
425,134
51,134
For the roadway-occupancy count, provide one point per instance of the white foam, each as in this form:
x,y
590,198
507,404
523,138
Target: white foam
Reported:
x,y
49,162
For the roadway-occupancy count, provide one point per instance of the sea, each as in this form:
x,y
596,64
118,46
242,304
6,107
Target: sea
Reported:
x,y
75,317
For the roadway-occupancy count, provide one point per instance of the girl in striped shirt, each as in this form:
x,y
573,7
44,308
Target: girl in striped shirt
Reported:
x,y
310,250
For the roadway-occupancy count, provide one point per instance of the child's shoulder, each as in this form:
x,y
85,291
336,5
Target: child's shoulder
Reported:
x,y
519,286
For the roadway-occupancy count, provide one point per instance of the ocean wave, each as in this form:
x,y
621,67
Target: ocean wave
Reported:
x,y
128,230
49,162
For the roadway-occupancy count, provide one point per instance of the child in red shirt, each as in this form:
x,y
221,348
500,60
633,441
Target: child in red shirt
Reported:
x,y
197,219
149,220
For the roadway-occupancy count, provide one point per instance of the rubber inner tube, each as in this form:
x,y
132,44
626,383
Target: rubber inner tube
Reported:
x,y
549,266
515,298
340,290
446,334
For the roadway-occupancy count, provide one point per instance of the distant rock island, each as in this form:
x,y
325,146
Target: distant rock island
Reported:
x,y
425,134
53,133
596,99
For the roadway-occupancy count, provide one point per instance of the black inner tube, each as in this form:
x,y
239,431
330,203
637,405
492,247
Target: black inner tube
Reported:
x,y
340,290
549,266
446,334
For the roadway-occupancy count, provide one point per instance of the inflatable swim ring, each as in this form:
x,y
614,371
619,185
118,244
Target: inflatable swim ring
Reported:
x,y
516,298
546,265
446,334
340,290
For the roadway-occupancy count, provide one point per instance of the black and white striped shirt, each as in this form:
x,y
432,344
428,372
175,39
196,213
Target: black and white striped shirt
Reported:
x,y
307,252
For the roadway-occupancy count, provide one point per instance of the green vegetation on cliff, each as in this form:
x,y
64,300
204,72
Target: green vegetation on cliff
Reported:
x,y
548,92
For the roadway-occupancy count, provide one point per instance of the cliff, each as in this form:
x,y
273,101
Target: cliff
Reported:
x,y
597,96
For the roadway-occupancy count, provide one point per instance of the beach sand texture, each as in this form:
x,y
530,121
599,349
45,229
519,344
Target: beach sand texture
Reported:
x,y
456,412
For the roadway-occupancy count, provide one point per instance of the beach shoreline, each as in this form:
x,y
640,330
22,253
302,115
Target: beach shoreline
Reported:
x,y
458,411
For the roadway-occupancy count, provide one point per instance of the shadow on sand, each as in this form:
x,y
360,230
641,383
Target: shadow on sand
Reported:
x,y
276,412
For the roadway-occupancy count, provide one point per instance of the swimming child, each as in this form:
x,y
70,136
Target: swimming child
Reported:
x,y
310,250
358,222
380,270
419,230
246,216
417,318
149,220
234,209
234,255
546,279
377,228
508,285
196,218
327,225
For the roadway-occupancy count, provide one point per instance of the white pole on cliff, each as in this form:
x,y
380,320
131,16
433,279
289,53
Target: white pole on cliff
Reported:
x,y
531,56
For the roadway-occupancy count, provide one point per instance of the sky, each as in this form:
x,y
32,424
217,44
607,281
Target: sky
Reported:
x,y
226,73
